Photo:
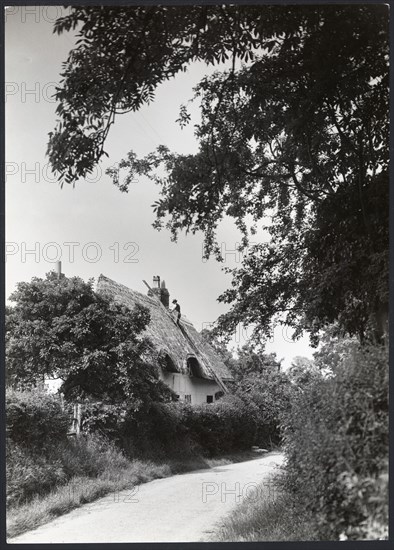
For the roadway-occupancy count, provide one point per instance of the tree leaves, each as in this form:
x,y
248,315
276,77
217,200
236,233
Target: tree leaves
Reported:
x,y
298,135
63,329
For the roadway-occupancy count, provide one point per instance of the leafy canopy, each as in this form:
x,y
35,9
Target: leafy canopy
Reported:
x,y
63,329
296,142
264,387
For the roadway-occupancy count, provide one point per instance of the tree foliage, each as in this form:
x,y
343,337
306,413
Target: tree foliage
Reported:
x,y
296,141
251,362
122,54
303,371
35,419
336,443
260,383
61,328
265,388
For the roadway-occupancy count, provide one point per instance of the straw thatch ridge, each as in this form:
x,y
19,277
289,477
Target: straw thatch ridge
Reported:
x,y
169,341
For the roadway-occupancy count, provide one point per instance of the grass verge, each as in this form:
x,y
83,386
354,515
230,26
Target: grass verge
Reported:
x,y
80,490
268,516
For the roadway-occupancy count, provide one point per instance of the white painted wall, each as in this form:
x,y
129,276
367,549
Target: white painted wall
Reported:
x,y
181,384
198,388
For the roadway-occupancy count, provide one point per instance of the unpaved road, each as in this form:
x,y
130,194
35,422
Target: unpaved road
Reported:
x,y
181,508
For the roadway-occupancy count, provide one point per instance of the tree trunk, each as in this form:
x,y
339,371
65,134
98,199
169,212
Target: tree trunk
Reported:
x,y
382,322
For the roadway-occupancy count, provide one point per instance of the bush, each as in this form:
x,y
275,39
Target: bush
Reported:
x,y
104,419
29,474
265,390
157,432
267,407
39,454
336,442
176,429
221,427
91,455
35,419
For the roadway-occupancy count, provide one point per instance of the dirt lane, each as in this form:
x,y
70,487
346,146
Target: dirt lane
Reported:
x,y
181,508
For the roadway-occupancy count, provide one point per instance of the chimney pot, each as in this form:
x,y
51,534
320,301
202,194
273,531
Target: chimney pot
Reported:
x,y
160,291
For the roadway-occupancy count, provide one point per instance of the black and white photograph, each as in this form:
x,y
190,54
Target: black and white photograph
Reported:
x,y
196,273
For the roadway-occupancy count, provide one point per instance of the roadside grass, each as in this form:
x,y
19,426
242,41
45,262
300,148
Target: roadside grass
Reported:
x,y
82,489
262,516
77,491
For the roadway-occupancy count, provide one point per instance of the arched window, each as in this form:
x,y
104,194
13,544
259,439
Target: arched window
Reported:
x,y
194,367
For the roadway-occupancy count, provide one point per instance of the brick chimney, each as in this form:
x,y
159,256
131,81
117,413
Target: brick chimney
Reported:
x,y
160,291
164,294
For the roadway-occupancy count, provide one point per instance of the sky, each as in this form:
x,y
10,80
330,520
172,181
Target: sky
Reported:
x,y
93,228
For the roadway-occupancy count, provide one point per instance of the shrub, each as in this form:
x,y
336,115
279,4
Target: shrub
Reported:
x,y
39,454
29,474
35,419
336,441
104,419
167,430
267,408
224,426
177,429
265,391
158,432
90,455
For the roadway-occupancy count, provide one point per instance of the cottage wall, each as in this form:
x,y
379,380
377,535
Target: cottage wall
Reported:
x,y
197,388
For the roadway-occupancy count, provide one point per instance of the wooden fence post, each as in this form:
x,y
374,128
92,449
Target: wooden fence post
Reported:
x,y
79,418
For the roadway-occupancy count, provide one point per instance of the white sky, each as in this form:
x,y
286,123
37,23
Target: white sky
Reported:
x,y
39,213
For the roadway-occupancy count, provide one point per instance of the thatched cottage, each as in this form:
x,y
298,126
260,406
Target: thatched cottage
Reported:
x,y
188,364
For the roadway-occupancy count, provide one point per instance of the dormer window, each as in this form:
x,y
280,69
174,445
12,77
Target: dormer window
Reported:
x,y
195,367
167,363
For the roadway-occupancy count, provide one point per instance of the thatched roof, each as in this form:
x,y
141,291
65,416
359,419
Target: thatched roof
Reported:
x,y
167,338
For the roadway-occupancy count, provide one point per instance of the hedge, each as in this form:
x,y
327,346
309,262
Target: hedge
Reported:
x,y
35,419
336,442
176,428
